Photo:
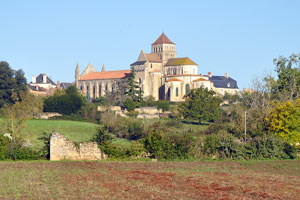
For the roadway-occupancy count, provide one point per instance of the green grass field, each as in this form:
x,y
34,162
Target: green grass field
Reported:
x,y
73,130
207,180
76,131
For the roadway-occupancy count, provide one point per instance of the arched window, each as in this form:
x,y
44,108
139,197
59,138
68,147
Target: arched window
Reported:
x,y
100,90
88,92
81,88
168,94
177,91
94,91
187,88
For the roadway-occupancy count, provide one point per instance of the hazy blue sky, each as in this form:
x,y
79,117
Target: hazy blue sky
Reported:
x,y
238,37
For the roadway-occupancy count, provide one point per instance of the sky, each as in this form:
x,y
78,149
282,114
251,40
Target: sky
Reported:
x,y
238,37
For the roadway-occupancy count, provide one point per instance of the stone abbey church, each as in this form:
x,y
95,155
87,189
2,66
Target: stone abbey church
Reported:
x,y
160,74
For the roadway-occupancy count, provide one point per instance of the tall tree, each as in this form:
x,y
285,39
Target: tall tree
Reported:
x,y
11,82
200,104
134,90
287,85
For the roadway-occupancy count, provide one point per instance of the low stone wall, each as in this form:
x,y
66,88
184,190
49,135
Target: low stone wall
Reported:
x,y
148,116
148,110
48,115
62,149
112,108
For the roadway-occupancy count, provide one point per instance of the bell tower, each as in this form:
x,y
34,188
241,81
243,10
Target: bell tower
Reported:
x,y
164,48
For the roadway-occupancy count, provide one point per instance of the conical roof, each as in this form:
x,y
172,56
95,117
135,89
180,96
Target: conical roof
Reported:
x,y
163,39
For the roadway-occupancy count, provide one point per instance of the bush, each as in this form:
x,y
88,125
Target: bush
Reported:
x,y
122,148
15,151
164,105
65,104
102,136
130,105
269,147
168,146
224,146
4,141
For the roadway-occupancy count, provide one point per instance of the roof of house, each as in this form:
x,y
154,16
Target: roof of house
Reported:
x,y
106,75
223,82
153,57
39,79
200,79
162,39
173,79
138,63
65,85
37,88
180,61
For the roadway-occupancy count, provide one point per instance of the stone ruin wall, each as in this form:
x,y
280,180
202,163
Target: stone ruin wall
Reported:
x,y
62,149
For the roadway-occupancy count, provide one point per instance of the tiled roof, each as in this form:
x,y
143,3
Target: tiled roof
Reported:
x,y
106,75
173,79
138,63
65,85
153,57
223,82
163,39
180,61
37,88
200,79
39,79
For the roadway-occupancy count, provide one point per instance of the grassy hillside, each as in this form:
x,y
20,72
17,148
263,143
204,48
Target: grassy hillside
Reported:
x,y
74,131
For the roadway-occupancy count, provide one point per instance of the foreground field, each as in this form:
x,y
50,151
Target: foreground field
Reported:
x,y
146,180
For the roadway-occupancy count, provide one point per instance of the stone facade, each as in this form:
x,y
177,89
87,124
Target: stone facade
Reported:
x,y
160,74
63,149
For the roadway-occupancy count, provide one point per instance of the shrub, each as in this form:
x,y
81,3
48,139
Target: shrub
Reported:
x,y
15,151
130,105
226,146
163,105
65,104
102,136
4,141
269,147
122,148
168,146
223,145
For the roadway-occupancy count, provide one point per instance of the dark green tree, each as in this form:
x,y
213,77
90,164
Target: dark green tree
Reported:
x,y
200,104
134,90
11,82
65,104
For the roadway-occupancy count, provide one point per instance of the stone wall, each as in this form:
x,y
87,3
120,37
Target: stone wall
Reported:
x,y
62,149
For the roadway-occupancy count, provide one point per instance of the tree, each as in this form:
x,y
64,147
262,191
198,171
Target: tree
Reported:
x,y
65,104
134,90
200,104
15,115
284,121
287,85
10,82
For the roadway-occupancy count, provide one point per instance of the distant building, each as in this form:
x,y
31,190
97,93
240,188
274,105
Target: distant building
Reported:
x,y
160,74
44,86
